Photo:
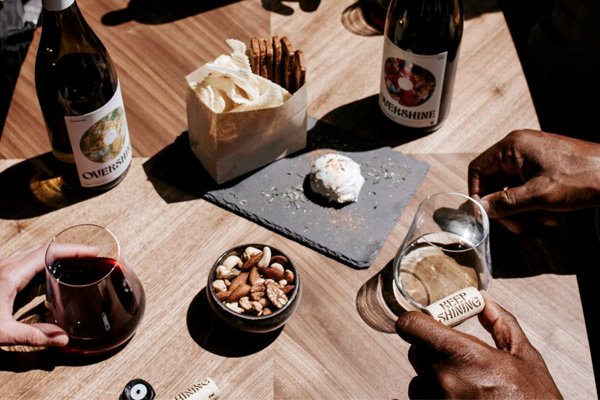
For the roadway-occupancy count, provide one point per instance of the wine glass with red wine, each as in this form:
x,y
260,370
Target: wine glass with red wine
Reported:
x,y
91,292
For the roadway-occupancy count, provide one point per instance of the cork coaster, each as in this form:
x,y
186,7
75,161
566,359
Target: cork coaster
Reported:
x,y
457,307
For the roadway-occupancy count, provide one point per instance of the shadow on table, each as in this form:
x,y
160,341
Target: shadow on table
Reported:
x,y
366,18
175,172
376,302
33,187
217,337
154,12
278,7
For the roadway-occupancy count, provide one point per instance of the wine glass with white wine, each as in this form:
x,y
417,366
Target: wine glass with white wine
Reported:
x,y
445,250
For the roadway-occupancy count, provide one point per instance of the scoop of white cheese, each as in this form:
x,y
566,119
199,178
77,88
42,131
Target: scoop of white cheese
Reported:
x,y
337,178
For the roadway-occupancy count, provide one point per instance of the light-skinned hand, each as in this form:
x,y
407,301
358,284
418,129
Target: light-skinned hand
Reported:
x,y
16,271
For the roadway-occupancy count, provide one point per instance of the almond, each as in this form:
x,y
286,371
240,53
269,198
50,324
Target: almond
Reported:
x,y
287,289
288,276
272,273
238,293
239,280
252,261
279,260
254,276
223,295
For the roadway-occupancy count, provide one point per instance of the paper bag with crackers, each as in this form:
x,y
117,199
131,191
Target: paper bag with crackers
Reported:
x,y
247,109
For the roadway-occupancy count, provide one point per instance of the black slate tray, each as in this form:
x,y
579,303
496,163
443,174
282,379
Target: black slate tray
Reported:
x,y
278,196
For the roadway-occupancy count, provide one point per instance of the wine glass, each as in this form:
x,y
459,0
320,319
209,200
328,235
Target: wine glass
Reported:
x,y
91,292
445,250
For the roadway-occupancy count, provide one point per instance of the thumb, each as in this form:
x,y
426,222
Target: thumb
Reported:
x,y
512,200
37,335
420,329
504,327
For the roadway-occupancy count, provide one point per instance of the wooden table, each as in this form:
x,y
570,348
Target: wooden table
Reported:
x,y
340,343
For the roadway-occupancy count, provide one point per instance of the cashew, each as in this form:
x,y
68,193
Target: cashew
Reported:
x,y
282,283
222,272
266,258
249,252
219,285
232,261
233,273
234,307
278,267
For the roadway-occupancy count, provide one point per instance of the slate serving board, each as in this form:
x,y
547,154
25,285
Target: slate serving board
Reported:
x,y
278,196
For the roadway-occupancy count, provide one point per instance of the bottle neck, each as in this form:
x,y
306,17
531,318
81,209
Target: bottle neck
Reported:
x,y
57,5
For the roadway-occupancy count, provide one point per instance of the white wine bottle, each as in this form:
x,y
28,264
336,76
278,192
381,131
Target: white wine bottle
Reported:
x,y
420,55
80,98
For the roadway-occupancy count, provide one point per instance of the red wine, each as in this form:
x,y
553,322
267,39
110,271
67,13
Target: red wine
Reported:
x,y
97,301
81,101
422,43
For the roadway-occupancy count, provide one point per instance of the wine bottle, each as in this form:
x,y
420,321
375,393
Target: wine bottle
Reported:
x,y
80,98
422,43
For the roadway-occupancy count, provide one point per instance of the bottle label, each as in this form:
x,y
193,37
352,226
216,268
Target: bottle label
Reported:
x,y
57,5
100,142
411,86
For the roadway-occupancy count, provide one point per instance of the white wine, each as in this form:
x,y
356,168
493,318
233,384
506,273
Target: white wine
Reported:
x,y
80,98
422,43
436,265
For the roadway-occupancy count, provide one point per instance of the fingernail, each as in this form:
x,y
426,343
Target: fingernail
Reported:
x,y
59,340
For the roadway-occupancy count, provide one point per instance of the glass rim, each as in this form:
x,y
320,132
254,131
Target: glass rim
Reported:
x,y
90,283
485,218
486,229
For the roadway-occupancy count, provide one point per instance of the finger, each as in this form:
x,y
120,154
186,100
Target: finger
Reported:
x,y
20,272
420,329
38,335
503,327
21,253
514,200
422,358
422,388
69,250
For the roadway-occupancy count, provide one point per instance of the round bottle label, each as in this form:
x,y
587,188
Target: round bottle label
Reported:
x,y
411,86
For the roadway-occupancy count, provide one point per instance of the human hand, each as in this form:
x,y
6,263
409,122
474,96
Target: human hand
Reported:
x,y
16,271
532,170
452,364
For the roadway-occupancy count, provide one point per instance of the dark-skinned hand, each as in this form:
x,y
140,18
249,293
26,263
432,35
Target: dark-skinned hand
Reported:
x,y
452,364
535,172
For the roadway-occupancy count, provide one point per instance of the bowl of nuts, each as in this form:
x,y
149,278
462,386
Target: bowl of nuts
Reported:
x,y
254,288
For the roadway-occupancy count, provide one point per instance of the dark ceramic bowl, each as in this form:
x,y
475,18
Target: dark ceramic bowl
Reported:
x,y
247,322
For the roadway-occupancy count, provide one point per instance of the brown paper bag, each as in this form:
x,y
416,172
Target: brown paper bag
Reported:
x,y
231,144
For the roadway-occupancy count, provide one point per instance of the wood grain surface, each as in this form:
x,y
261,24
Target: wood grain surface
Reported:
x,y
341,342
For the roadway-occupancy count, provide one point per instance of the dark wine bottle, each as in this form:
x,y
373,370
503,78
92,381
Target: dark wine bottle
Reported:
x,y
80,98
422,43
